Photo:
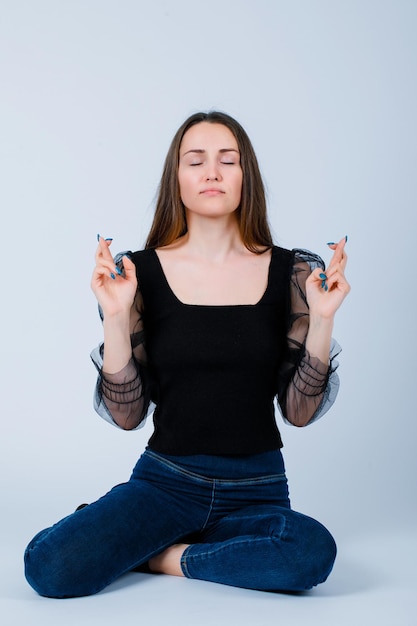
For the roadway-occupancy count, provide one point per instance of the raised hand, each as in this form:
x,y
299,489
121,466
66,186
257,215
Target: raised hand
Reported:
x,y
114,289
326,290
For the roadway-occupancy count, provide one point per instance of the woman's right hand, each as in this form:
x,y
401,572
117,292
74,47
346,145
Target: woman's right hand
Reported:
x,y
114,293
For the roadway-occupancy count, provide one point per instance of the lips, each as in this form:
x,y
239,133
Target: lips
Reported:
x,y
212,191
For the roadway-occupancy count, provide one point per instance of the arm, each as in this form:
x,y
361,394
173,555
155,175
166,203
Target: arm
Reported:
x,y
308,382
120,395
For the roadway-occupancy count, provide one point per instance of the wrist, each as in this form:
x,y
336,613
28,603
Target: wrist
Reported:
x,y
116,329
321,322
116,318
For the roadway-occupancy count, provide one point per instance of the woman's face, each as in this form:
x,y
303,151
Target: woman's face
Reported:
x,y
209,172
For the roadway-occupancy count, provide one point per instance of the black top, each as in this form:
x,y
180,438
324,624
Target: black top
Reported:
x,y
213,371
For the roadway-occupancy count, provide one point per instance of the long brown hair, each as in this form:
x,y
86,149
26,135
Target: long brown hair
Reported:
x,y
169,221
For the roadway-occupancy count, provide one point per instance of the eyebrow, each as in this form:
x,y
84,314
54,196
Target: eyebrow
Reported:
x,y
200,151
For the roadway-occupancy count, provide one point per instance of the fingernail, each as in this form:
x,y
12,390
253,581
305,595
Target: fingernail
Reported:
x,y
109,239
323,276
112,276
98,237
118,270
330,243
346,238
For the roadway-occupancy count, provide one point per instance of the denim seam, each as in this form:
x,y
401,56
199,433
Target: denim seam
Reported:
x,y
183,563
256,480
213,495
176,468
208,553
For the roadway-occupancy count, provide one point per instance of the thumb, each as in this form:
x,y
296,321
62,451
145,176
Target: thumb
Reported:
x,y
129,267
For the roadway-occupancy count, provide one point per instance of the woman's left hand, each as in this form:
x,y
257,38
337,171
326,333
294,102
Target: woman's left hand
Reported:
x,y
326,290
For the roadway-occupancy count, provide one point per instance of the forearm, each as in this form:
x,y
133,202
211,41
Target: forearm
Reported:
x,y
308,386
117,344
119,392
319,337
121,386
122,395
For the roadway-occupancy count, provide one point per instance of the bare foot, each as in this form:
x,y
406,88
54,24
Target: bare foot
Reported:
x,y
169,561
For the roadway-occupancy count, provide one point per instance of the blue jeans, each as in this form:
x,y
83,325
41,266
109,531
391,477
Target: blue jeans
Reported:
x,y
234,511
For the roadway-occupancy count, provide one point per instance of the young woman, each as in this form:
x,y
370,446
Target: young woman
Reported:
x,y
210,324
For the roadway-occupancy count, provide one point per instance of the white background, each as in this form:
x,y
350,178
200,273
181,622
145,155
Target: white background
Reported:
x,y
91,93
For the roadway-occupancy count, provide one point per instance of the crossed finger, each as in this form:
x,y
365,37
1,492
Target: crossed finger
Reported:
x,y
104,260
339,256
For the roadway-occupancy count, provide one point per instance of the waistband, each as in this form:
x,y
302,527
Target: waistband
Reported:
x,y
269,463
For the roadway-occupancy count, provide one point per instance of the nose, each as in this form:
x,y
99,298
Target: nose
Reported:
x,y
212,172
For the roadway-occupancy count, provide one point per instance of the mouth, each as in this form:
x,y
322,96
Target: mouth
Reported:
x,y
211,192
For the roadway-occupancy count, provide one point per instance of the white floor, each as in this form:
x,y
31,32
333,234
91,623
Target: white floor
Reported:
x,y
374,582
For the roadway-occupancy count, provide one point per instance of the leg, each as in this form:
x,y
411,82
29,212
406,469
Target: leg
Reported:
x,y
169,561
263,547
86,551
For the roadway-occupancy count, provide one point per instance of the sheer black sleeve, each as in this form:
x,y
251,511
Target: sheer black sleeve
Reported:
x,y
307,387
123,398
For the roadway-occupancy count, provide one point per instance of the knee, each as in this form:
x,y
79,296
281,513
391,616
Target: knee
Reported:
x,y
42,568
317,554
51,571
311,552
320,556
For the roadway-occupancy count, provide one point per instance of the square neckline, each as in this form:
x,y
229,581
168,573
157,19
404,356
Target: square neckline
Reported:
x,y
213,306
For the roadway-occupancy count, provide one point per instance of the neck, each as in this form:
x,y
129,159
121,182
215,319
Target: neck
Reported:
x,y
213,239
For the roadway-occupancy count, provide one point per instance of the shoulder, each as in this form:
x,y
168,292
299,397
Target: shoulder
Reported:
x,y
306,259
297,256
141,256
282,253
148,271
144,260
136,257
282,261
296,263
